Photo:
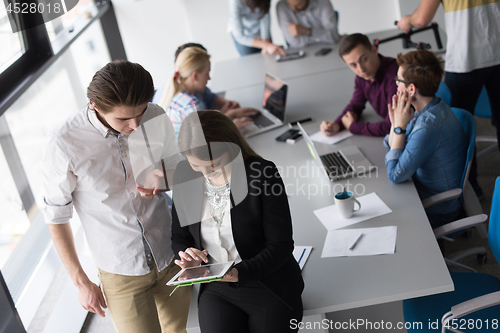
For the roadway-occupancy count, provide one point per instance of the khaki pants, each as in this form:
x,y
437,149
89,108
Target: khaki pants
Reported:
x,y
141,304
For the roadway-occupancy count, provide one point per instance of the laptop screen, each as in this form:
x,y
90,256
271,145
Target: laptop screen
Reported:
x,y
275,92
310,145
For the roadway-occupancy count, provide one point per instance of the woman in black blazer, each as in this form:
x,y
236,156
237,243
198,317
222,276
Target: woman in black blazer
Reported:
x,y
230,204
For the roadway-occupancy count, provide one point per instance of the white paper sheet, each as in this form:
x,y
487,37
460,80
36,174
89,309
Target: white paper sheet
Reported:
x,y
371,206
301,253
331,140
374,241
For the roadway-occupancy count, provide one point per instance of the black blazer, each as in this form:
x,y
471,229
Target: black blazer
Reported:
x,y
261,224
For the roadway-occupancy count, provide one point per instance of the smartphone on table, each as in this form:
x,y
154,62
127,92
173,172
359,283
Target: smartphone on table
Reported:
x,y
290,56
323,51
290,134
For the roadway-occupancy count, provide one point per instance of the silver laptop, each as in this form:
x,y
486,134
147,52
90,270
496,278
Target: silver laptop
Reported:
x,y
345,163
273,112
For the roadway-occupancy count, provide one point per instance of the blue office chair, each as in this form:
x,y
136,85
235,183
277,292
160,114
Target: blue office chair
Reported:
x,y
483,110
469,199
444,92
469,126
476,298
472,206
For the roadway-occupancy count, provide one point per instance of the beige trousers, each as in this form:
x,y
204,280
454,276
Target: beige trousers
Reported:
x,y
141,304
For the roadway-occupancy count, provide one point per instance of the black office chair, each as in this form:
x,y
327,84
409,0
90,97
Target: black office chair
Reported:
x,y
483,110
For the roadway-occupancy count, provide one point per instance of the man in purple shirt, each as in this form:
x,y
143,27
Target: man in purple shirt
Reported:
x,y
374,83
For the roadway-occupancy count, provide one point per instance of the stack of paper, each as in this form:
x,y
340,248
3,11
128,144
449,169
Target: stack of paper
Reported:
x,y
371,206
374,241
331,140
301,253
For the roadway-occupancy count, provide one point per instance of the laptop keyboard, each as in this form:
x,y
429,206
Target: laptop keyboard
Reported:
x,y
336,164
261,121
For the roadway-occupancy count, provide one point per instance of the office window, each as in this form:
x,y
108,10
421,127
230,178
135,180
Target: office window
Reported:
x,y
66,22
42,83
11,44
56,95
14,221
60,92
46,103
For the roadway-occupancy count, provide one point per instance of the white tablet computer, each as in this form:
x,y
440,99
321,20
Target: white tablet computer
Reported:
x,y
199,274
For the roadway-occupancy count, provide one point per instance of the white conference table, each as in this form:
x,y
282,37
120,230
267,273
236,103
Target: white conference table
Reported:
x,y
331,284
320,87
250,70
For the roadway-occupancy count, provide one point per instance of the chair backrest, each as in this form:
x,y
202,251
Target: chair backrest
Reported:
x,y
483,108
469,126
494,226
444,92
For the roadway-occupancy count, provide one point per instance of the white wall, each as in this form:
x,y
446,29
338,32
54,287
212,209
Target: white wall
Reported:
x,y
366,16
153,29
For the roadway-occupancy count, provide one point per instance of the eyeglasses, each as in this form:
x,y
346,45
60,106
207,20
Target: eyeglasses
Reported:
x,y
396,79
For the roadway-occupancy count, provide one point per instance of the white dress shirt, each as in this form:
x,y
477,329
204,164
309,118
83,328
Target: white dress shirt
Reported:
x,y
217,238
87,166
319,16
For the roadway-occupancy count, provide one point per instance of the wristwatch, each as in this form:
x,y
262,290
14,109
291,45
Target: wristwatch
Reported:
x,y
399,130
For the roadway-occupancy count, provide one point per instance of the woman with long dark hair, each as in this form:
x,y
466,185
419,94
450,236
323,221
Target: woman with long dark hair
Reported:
x,y
230,204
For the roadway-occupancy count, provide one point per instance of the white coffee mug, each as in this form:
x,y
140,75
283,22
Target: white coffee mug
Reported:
x,y
345,204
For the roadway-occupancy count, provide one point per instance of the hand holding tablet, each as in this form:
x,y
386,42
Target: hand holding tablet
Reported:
x,y
200,274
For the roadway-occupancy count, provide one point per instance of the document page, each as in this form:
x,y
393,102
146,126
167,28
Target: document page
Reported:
x,y
371,206
331,140
373,241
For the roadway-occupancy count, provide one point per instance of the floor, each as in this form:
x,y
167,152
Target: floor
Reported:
x,y
488,170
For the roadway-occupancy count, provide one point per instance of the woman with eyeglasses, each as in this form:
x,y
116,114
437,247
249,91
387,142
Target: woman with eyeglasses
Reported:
x,y
427,142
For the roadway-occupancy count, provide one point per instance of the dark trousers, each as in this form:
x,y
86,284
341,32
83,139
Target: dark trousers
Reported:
x,y
249,309
244,50
437,220
465,89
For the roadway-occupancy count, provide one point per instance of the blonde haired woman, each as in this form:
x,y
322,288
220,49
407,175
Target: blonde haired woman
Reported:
x,y
192,72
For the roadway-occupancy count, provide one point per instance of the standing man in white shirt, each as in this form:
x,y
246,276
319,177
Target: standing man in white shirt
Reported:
x,y
306,22
88,164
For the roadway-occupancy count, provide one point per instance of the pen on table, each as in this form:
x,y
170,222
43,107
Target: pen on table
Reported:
x,y
327,130
303,251
299,121
356,242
